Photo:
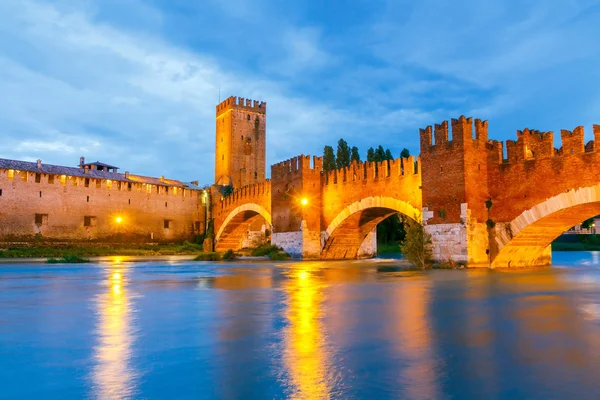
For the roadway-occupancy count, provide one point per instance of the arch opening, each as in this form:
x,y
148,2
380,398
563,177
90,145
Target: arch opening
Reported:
x,y
245,227
352,234
526,241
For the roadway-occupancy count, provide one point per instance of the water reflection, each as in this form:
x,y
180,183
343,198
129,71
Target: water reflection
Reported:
x,y
305,348
113,375
409,316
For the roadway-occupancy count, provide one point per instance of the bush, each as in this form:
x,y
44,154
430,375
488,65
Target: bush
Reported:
x,y
279,255
229,255
264,250
187,246
69,259
208,257
417,245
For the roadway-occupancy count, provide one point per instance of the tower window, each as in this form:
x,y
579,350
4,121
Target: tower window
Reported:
x,y
167,224
248,117
38,178
51,179
87,182
41,219
242,138
89,221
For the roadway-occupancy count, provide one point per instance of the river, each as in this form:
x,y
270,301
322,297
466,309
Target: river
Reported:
x,y
305,330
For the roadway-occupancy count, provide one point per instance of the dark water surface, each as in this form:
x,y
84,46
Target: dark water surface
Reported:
x,y
299,330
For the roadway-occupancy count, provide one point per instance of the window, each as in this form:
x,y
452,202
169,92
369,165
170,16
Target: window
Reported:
x,y
255,175
87,199
11,174
87,182
40,193
108,183
129,186
167,224
24,176
51,179
148,188
41,219
63,180
38,178
166,190
74,180
248,117
98,183
197,226
129,200
89,221
165,203
242,138
223,157
0,192
119,185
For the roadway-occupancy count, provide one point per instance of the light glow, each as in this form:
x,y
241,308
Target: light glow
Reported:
x,y
119,220
304,201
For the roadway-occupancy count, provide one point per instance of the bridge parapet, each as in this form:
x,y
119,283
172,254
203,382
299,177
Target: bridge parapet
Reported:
x,y
533,144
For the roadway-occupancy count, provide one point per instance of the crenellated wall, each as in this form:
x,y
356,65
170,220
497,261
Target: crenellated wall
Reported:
x,y
83,208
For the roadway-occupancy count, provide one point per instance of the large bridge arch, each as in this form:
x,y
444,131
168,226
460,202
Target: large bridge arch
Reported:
x,y
526,240
346,233
234,227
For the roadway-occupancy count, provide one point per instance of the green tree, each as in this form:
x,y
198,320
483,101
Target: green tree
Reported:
x,y
416,246
379,154
328,159
388,155
343,154
370,155
405,153
355,156
588,223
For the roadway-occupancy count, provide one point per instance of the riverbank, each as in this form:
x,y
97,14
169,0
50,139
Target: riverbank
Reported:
x,y
184,249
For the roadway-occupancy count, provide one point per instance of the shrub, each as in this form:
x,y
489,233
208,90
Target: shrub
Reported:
x,y
229,255
68,259
264,250
416,246
279,255
208,257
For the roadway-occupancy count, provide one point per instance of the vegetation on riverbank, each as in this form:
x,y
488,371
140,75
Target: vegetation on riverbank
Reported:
x,y
275,253
185,248
575,242
69,259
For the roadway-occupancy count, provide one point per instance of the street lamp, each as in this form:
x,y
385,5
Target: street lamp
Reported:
x,y
304,201
119,220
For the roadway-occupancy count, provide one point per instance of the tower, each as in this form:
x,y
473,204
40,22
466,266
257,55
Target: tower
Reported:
x,y
240,142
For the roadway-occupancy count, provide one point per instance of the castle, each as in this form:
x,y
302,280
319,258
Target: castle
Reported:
x,y
479,207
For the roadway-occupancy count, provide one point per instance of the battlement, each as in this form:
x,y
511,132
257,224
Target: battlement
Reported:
x,y
533,144
360,171
295,164
253,190
239,103
462,130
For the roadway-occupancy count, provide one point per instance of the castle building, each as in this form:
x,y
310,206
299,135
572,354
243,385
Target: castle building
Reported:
x,y
95,202
240,142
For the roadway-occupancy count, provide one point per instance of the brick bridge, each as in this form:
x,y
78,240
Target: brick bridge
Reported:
x,y
480,208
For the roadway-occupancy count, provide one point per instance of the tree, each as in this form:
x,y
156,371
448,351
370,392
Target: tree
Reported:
x,y
328,159
370,155
355,156
405,153
588,223
416,246
379,154
388,155
343,154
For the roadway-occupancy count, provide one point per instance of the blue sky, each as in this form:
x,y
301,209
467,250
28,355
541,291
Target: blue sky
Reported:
x,y
135,82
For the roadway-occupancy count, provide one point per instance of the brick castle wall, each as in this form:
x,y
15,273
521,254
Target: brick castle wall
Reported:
x,y
62,208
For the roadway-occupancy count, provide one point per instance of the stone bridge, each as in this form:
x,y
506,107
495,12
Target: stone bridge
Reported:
x,y
480,207
242,218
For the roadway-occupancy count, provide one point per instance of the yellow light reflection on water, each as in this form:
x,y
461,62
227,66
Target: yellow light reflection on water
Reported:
x,y
306,353
113,375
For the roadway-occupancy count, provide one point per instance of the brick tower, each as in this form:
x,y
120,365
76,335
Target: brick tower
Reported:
x,y
240,142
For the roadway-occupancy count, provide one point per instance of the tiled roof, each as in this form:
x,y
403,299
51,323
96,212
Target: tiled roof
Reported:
x,y
101,164
74,171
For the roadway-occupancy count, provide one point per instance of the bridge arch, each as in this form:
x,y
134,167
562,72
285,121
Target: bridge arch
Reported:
x,y
236,224
347,232
526,240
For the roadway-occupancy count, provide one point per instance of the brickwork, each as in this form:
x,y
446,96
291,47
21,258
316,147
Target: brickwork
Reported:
x,y
240,142
247,209
75,208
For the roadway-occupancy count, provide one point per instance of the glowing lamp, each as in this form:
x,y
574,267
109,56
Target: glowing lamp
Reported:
x,y
304,201
119,220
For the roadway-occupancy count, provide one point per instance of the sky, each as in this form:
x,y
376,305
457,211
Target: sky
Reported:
x,y
134,83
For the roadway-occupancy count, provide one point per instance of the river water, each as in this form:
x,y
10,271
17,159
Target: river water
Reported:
x,y
356,329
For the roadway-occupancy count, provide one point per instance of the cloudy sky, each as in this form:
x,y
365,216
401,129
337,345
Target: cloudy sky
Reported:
x,y
135,82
